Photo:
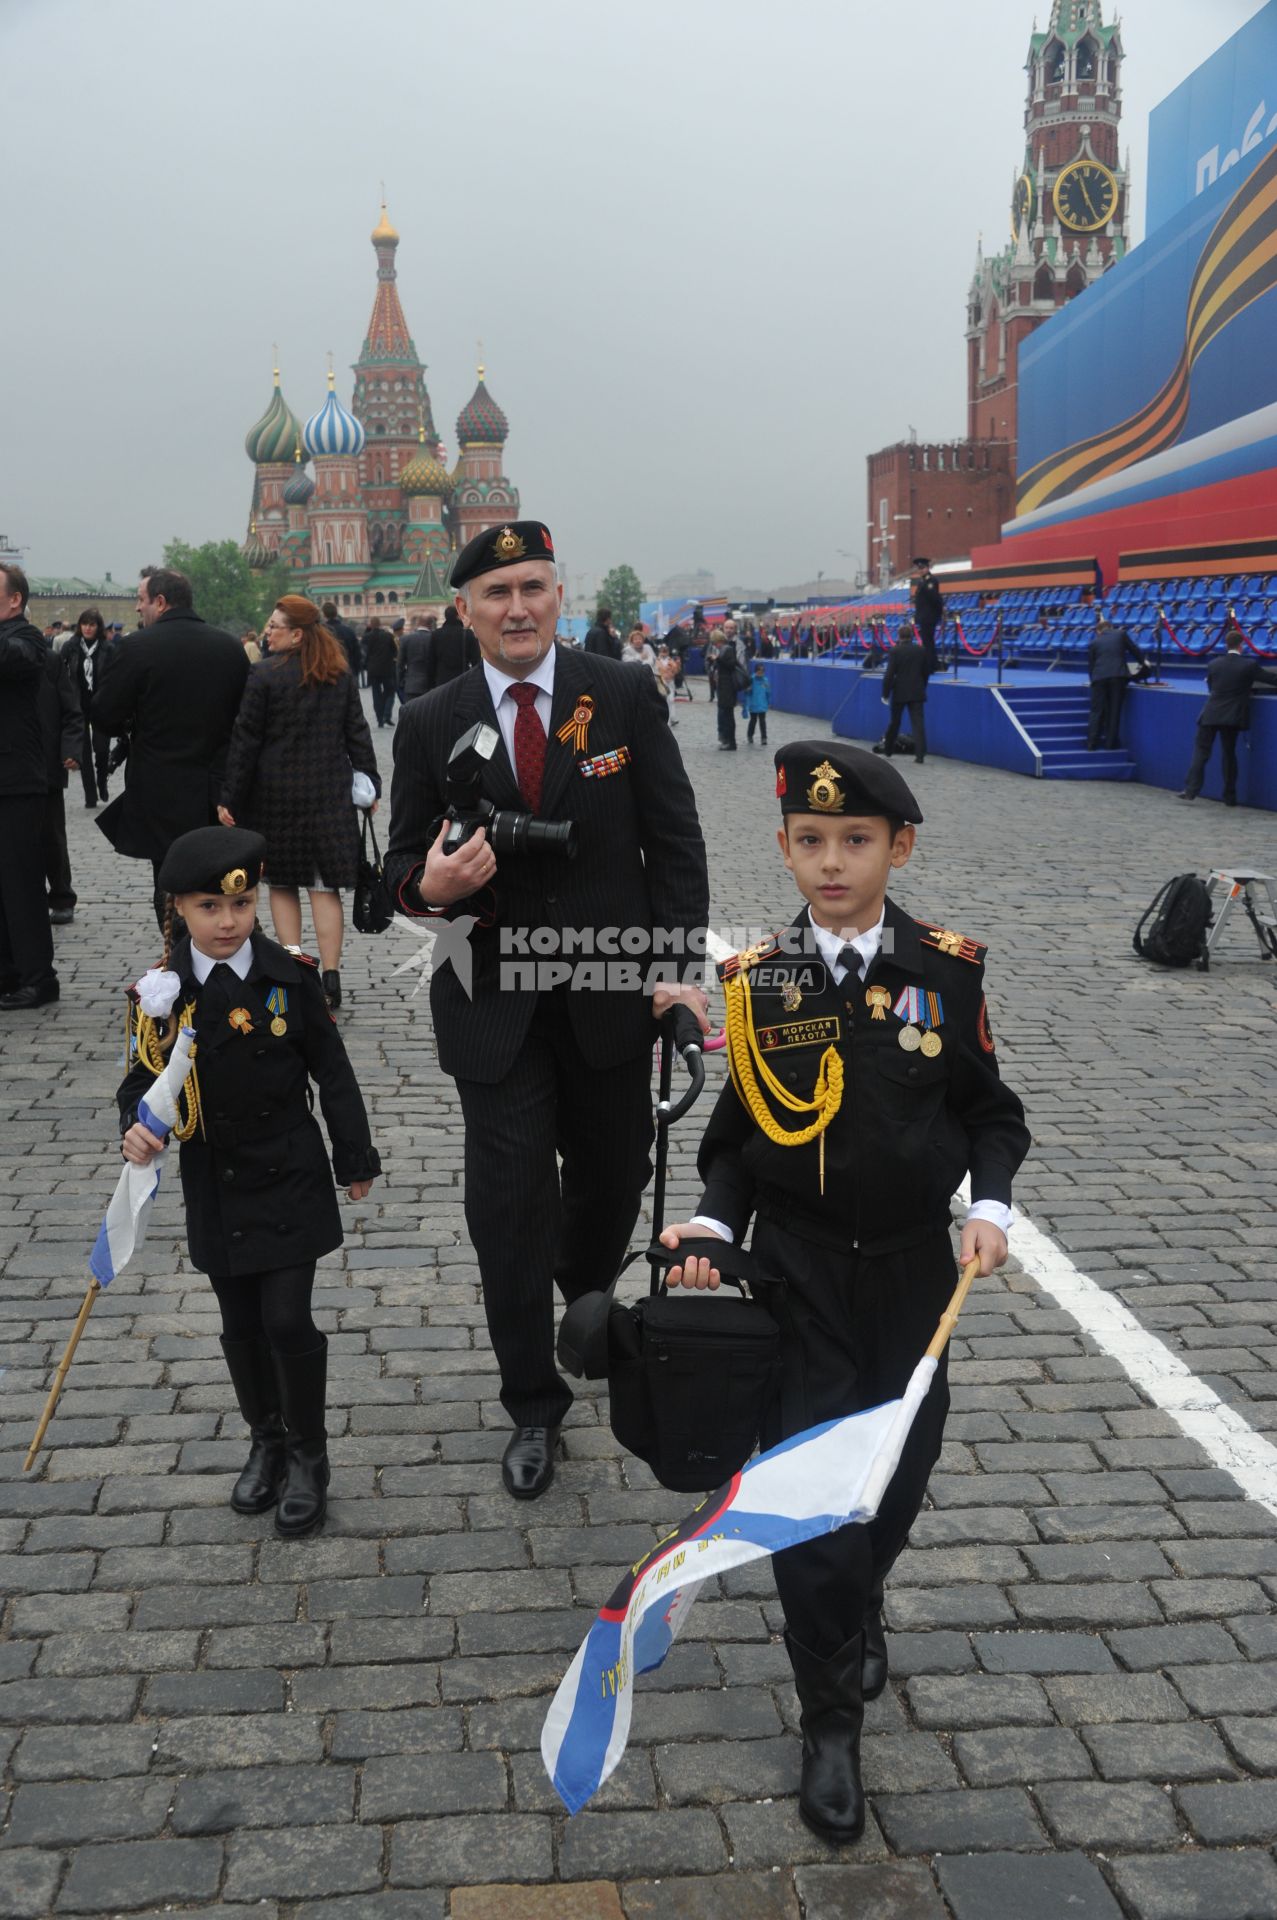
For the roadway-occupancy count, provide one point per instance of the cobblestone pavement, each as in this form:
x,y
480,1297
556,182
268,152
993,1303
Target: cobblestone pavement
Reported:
x,y
1083,1713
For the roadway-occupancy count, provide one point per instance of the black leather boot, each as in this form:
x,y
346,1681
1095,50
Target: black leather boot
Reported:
x,y
303,1498
253,1377
831,1799
873,1666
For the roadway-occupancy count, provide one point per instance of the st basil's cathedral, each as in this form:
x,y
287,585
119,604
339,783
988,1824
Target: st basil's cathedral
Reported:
x,y
378,524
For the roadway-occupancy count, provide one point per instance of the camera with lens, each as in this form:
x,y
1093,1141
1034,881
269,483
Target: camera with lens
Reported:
x,y
469,808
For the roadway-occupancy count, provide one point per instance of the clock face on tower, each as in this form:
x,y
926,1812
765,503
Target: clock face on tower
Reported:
x,y
1086,196
1023,204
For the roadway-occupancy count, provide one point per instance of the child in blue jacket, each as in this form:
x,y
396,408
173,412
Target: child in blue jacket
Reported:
x,y
756,699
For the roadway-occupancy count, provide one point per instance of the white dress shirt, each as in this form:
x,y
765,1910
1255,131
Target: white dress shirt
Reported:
x,y
202,964
499,685
830,946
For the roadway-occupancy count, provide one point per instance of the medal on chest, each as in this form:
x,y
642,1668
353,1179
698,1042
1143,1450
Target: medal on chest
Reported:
x,y
922,1012
277,1006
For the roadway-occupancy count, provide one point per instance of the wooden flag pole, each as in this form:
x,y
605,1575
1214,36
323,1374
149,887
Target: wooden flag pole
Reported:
x,y
59,1377
949,1318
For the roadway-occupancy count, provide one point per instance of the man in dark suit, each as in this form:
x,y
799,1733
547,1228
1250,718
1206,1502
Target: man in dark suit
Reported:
x,y
452,650
603,638
1229,682
66,737
1106,657
414,657
928,609
541,1068
27,977
173,690
904,685
343,631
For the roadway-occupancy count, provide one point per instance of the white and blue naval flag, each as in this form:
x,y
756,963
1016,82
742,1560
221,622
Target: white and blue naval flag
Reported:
x,y
820,1480
128,1213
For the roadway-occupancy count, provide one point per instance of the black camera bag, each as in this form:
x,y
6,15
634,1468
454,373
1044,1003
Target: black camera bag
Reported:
x,y
689,1374
373,908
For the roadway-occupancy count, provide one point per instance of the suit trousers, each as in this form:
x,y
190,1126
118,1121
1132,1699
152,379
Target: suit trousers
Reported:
x,y
95,757
57,857
853,1328
26,938
534,1223
1106,712
917,711
383,699
1203,747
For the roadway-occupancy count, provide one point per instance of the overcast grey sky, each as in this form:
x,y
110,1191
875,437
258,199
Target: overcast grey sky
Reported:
x,y
716,250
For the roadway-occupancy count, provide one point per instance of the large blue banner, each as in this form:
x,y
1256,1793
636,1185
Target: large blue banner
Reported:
x,y
1218,120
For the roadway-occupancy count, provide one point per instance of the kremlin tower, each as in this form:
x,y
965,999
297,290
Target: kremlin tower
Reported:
x,y
377,527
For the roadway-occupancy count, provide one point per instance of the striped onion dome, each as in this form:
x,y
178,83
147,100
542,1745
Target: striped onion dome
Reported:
x,y
254,550
332,429
274,436
426,474
481,421
299,489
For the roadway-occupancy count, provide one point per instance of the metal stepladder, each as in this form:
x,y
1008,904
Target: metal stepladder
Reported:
x,y
1260,907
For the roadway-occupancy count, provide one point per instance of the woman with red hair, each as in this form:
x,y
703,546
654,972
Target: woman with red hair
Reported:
x,y
299,736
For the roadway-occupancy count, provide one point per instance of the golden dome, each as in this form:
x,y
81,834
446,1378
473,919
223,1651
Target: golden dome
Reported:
x,y
383,233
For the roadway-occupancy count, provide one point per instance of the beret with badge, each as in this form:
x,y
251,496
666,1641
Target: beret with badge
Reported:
x,y
824,776
506,546
213,860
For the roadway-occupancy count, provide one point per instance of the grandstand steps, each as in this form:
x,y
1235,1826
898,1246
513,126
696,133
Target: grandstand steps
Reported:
x,y
1056,719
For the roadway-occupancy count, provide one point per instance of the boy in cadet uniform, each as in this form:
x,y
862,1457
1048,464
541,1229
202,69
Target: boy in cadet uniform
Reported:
x,y
260,1201
864,1085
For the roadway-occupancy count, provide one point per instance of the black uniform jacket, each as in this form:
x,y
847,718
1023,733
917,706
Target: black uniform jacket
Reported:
x,y
905,680
1229,682
909,1127
640,861
174,689
24,654
928,604
259,1191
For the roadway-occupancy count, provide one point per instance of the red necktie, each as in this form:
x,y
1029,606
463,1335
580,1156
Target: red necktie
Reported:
x,y
529,746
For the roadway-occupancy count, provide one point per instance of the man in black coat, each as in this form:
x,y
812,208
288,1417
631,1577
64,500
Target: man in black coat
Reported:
x,y
730,681
27,978
173,690
542,1065
1229,683
1106,657
381,657
449,651
343,631
928,609
603,638
65,737
414,655
904,686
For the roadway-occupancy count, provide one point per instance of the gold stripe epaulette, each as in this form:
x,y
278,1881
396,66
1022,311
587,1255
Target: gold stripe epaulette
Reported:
x,y
956,945
747,957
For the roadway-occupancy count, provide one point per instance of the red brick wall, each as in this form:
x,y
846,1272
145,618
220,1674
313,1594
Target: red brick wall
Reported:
x,y
941,500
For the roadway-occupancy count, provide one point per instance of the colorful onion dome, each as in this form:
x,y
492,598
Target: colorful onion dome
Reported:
x,y
383,234
332,429
299,489
425,473
274,436
254,549
481,421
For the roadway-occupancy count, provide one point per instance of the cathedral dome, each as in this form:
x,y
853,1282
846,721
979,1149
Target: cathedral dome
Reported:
x,y
425,474
383,234
481,421
299,489
255,551
274,436
333,429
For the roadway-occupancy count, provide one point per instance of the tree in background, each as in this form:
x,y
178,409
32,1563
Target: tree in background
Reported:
x,y
227,593
622,591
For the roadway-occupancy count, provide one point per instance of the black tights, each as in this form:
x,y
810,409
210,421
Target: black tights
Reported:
x,y
272,1306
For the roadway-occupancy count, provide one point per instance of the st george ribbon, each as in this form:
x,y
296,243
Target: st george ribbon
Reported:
x,y
825,1478
128,1211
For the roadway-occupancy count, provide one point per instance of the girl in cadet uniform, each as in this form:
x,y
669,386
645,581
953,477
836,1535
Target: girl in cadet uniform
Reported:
x,y
260,1201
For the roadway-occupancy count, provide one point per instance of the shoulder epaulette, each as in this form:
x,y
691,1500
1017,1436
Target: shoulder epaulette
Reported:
x,y
748,957
956,945
306,959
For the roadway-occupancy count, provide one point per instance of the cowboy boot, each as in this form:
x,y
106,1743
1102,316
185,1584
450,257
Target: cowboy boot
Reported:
x,y
303,1496
249,1364
831,1799
873,1667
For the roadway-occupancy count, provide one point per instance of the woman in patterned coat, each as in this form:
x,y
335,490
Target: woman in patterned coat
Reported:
x,y
299,736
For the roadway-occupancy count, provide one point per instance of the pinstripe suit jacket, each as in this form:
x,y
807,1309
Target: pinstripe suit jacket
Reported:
x,y
640,863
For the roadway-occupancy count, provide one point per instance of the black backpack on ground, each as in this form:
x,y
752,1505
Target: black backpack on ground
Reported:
x,y
1177,920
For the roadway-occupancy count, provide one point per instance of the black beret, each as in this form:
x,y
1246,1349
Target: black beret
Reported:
x,y
213,860
824,776
504,546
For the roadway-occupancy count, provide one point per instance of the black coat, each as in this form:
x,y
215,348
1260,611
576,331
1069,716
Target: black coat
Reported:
x,y
380,653
174,689
908,669
602,641
24,654
640,863
259,1192
730,677
928,605
343,631
1229,682
414,655
61,717
1109,650
908,1127
288,772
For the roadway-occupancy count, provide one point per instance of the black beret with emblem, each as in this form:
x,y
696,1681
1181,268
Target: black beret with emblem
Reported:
x,y
506,546
213,860
824,776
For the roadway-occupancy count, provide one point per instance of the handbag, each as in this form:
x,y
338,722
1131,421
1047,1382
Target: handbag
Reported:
x,y
689,1377
373,908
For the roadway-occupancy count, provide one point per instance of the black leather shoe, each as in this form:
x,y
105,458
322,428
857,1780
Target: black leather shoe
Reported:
x,y
527,1465
831,1800
303,1497
873,1663
253,1377
23,998
331,983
